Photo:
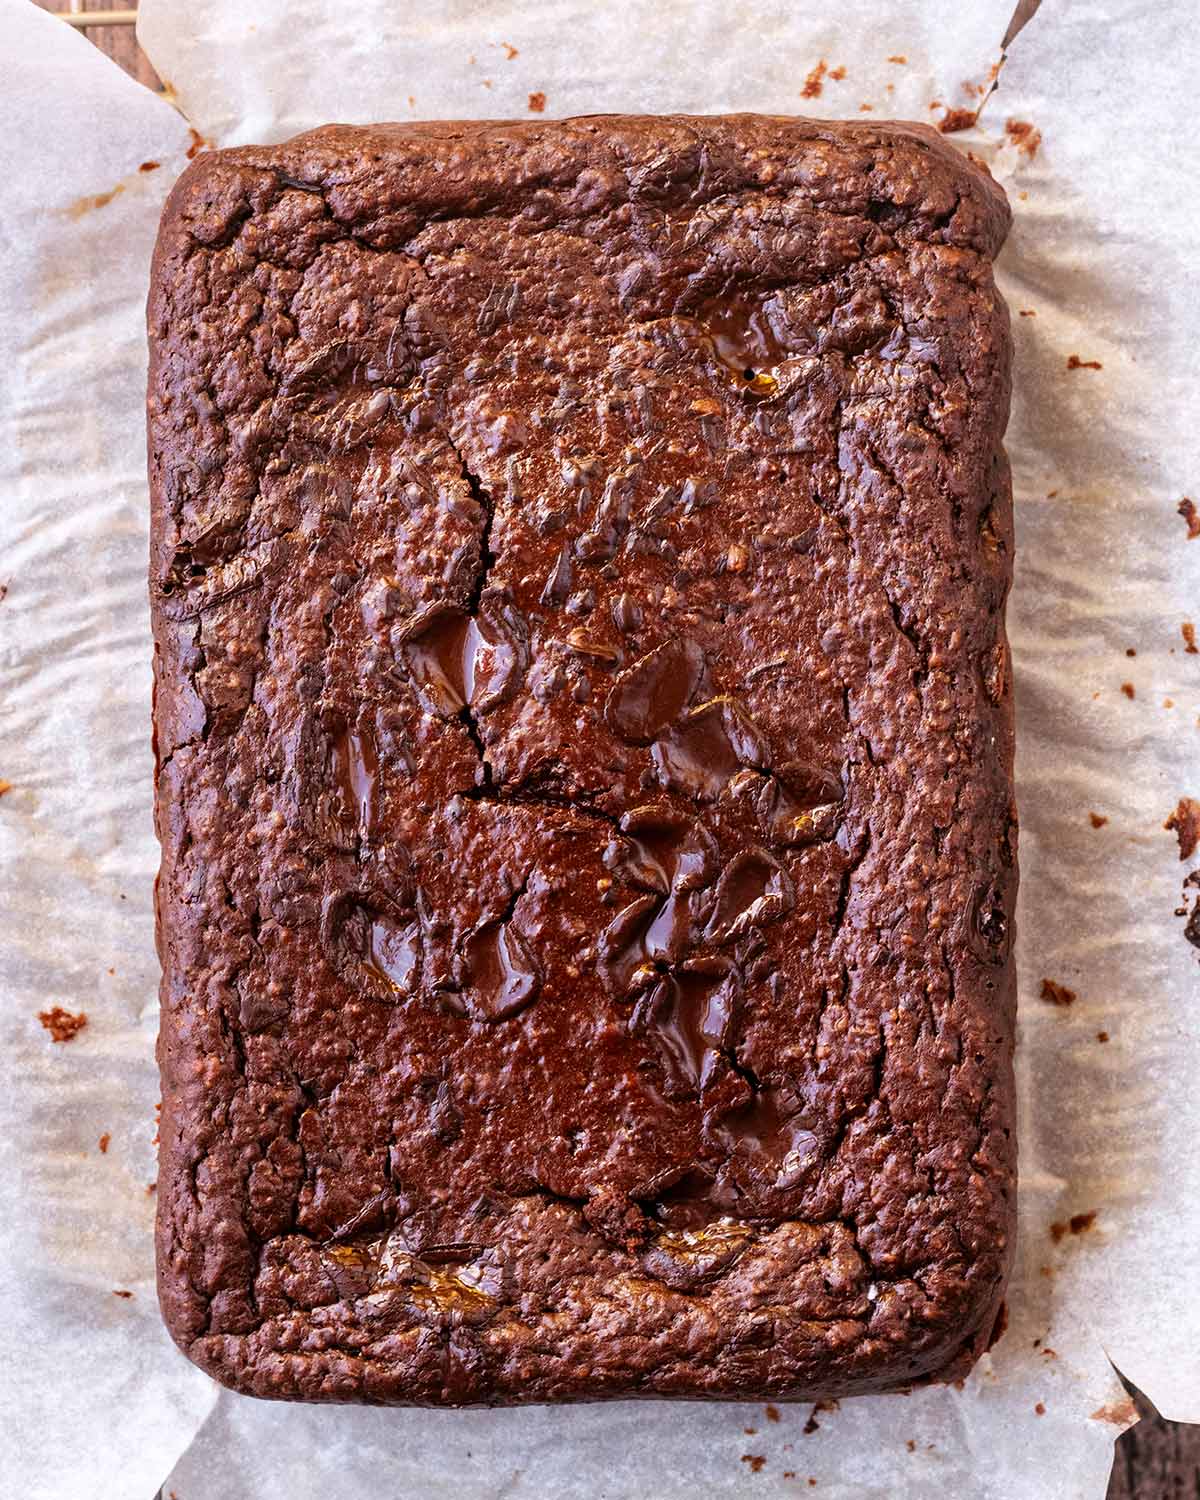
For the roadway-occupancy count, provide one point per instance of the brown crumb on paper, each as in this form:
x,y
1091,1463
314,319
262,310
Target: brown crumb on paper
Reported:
x,y
1102,1036
537,102
103,1142
1129,690
509,51
812,84
812,1425
1189,513
5,787
837,74
750,1431
866,108
1028,312
1076,1224
1024,136
149,166
1097,820
899,57
1040,1409
956,119
198,143
61,1024
1057,994
120,1292
1188,631
772,1413
755,1460
1184,823
1075,363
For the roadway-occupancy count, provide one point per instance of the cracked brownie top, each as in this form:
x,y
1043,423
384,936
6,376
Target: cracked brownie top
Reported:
x,y
583,735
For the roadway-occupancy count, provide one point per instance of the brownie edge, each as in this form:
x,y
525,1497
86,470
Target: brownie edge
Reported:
x,y
583,742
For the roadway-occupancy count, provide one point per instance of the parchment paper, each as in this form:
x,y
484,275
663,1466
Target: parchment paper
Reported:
x,y
1103,255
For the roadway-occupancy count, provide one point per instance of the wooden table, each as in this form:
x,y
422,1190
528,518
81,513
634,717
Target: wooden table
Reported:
x,y
1156,1460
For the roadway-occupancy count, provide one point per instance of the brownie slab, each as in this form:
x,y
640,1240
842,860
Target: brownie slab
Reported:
x,y
583,740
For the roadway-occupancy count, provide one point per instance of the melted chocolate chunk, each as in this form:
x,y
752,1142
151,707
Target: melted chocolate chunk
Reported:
x,y
651,693
497,972
700,755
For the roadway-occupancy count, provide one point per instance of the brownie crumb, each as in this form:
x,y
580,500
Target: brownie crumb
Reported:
x,y
120,1292
149,166
750,1431
812,84
1057,994
1130,650
772,1413
537,102
1040,1409
812,1425
1184,822
898,57
103,1142
1189,513
198,143
1102,1036
956,119
1027,312
1048,1353
509,51
5,787
1076,1224
1097,820
866,108
61,1024
837,74
1188,631
1129,690
1023,136
1075,363
755,1460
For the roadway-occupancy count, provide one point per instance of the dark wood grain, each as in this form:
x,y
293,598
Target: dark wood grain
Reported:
x,y
1156,1459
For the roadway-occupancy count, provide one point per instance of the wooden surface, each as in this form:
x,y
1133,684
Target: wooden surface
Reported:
x,y
1155,1460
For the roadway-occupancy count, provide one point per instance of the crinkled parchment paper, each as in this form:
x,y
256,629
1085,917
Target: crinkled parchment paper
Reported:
x,y
1102,258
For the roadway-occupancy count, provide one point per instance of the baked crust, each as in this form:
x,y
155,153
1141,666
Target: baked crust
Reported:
x,y
584,754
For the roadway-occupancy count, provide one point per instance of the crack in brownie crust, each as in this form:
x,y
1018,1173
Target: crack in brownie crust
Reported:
x,y
584,742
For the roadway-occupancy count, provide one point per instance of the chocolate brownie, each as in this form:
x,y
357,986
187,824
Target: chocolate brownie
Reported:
x,y
583,744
